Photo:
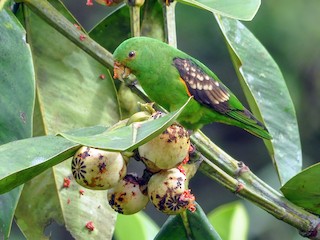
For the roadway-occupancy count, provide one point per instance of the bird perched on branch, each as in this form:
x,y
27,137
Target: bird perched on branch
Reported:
x,y
169,77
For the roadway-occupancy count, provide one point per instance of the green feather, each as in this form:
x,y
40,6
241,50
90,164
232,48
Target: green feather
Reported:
x,y
164,74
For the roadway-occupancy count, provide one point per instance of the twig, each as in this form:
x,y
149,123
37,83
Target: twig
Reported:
x,y
170,23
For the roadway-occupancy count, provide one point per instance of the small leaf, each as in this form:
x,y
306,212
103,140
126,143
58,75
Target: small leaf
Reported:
x,y
238,9
304,190
139,225
25,159
231,221
129,137
198,225
267,94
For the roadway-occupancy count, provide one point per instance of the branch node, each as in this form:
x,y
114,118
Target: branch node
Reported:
x,y
312,234
239,187
242,168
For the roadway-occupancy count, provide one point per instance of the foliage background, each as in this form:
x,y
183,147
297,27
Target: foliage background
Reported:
x,y
288,29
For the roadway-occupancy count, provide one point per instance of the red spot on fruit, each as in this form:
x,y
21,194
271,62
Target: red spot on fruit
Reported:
x,y
81,191
82,37
66,182
109,2
89,3
102,76
181,169
77,26
68,201
187,196
90,226
185,160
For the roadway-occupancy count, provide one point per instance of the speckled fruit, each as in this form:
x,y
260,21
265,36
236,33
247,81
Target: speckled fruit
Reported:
x,y
98,169
168,149
168,193
126,197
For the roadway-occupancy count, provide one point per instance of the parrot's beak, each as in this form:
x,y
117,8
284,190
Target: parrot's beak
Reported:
x,y
120,72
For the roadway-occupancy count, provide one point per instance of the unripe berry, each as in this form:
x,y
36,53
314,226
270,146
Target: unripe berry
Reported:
x,y
168,193
97,169
127,196
168,149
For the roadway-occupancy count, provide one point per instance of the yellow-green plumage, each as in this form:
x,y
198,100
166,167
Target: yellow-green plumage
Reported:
x,y
169,76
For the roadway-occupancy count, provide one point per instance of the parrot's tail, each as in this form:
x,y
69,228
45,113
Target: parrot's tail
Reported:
x,y
262,133
250,123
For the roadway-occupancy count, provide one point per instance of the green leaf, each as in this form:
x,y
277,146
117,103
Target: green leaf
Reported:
x,y
267,94
16,101
17,80
231,221
198,224
8,204
25,159
70,94
129,137
238,9
113,29
38,198
139,225
304,190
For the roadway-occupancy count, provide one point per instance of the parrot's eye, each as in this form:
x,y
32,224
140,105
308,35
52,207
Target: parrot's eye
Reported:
x,y
132,54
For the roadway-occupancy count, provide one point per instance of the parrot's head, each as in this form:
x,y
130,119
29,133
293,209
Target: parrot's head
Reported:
x,y
135,55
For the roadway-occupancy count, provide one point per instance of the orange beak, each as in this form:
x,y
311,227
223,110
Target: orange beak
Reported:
x,y
120,72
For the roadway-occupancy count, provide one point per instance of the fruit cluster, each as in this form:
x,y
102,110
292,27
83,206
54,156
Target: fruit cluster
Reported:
x,y
165,179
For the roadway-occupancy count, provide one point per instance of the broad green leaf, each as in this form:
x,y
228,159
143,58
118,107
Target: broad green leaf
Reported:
x,y
129,137
38,198
8,204
198,224
238,9
16,101
25,159
304,190
17,80
231,221
267,94
113,29
71,93
139,225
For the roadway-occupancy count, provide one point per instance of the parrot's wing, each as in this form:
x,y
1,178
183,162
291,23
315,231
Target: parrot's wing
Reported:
x,y
212,93
202,87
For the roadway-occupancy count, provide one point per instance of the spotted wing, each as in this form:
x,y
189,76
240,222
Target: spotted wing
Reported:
x,y
201,86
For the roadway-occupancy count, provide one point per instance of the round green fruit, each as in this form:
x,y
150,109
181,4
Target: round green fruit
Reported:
x,y
167,192
127,196
168,149
97,169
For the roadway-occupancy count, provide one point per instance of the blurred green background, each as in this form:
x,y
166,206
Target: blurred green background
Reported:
x,y
290,32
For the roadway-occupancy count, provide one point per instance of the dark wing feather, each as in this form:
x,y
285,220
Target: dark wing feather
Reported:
x,y
202,87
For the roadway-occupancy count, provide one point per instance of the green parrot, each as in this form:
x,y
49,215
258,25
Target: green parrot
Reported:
x,y
169,77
